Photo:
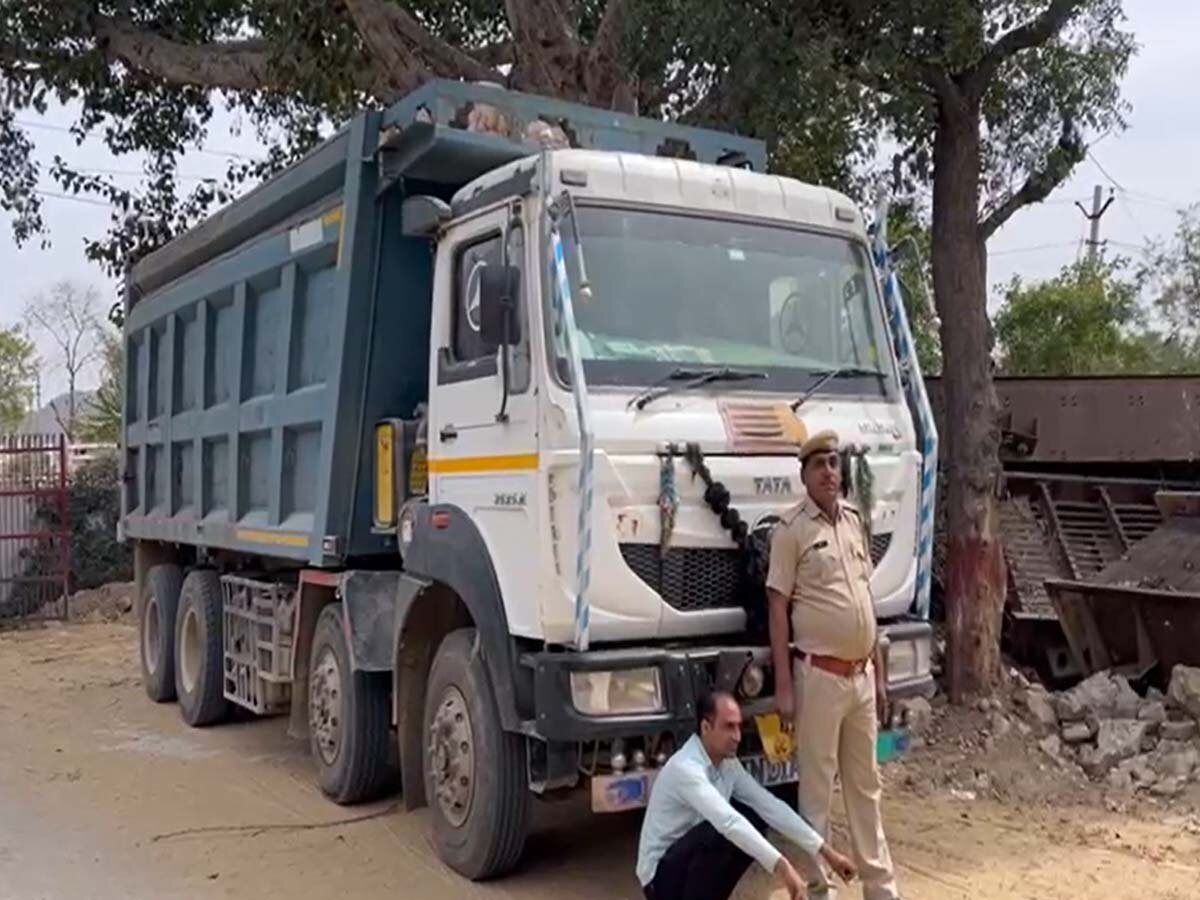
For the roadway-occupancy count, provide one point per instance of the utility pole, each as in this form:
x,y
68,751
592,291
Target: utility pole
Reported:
x,y
1094,217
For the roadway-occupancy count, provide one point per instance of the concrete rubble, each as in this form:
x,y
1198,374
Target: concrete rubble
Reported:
x,y
1117,737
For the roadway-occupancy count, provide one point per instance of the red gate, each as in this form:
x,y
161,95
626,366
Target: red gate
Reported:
x,y
35,562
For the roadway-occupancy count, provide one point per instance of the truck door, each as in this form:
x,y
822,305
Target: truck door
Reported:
x,y
481,461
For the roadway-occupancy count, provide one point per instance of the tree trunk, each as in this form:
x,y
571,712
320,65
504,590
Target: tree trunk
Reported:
x,y
976,577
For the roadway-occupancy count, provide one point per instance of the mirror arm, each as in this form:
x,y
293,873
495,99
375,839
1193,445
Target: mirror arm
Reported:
x,y
502,416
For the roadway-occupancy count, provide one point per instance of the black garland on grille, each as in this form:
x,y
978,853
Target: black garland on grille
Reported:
x,y
753,548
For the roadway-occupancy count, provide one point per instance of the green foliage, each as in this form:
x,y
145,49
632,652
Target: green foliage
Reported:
x,y
1037,74
149,76
18,372
1170,274
1087,320
101,423
911,244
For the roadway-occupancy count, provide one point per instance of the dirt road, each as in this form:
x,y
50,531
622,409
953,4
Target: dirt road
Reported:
x,y
106,795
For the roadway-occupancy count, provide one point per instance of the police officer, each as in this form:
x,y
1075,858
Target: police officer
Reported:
x,y
831,681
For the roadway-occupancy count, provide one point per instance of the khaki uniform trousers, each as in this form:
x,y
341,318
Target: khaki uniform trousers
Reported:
x,y
835,732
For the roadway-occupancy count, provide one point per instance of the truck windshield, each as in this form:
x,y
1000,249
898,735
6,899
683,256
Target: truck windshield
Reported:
x,y
670,289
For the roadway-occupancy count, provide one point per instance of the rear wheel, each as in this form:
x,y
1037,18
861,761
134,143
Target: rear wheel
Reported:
x,y
349,717
199,651
474,770
156,631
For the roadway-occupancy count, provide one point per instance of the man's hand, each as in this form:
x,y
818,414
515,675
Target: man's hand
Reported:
x,y
785,702
882,704
792,882
842,865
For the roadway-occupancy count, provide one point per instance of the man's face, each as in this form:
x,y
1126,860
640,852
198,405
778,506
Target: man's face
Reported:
x,y
723,734
822,477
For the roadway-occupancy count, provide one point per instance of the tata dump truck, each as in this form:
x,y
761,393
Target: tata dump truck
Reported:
x,y
458,443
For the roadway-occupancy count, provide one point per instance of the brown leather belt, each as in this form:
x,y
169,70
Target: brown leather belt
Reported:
x,y
846,668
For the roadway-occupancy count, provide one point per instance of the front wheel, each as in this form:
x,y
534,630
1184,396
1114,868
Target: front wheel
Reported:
x,y
349,719
474,770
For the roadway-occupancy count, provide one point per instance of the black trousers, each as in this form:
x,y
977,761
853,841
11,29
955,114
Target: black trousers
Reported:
x,y
702,865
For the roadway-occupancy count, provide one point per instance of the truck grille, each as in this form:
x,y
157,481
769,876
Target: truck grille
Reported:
x,y
690,579
879,546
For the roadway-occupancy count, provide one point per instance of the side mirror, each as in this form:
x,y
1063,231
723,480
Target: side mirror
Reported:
x,y
499,303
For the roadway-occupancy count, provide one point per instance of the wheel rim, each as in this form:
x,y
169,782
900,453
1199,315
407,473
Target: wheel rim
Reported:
x,y
189,650
325,705
452,757
151,636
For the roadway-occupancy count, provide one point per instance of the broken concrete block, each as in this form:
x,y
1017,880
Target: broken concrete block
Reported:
x,y
1176,759
1168,787
999,724
1184,692
1154,712
916,713
1077,733
1096,695
1120,779
1116,740
1051,746
1127,703
1041,713
1184,730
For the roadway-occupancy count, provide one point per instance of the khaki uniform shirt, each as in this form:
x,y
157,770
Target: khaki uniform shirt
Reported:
x,y
825,568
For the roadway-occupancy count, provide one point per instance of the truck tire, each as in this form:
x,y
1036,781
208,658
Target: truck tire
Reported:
x,y
349,717
199,651
156,631
475,780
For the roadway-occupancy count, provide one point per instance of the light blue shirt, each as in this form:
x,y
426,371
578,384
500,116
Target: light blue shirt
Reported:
x,y
690,789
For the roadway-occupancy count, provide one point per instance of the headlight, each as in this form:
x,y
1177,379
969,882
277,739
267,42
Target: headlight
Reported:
x,y
752,681
623,692
905,659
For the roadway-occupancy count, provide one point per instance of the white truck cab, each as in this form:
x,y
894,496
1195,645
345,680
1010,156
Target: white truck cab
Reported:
x,y
692,269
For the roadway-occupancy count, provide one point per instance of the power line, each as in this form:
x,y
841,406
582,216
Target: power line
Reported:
x,y
46,126
1033,249
179,176
55,195
1104,172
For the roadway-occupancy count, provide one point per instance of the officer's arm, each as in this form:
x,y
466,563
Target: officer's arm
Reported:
x,y
781,580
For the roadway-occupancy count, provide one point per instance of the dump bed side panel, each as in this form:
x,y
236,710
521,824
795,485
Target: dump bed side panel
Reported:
x,y
242,395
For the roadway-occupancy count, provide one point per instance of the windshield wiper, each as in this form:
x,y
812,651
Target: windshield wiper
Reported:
x,y
685,379
827,375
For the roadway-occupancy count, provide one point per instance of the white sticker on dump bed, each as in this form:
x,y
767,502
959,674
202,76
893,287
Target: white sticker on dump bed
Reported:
x,y
307,235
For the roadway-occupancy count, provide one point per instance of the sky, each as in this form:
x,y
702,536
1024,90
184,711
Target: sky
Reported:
x,y
1150,170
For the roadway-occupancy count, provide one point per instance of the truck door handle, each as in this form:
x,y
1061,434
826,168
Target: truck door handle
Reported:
x,y
448,433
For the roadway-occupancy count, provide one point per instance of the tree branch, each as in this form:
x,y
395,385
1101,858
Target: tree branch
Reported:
x,y
407,52
608,36
495,54
1033,33
233,65
1066,154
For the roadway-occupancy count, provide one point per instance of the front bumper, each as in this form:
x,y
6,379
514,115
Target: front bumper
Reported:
x,y
685,672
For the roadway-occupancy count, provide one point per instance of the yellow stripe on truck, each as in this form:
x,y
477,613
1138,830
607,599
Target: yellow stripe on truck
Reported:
x,y
278,538
471,465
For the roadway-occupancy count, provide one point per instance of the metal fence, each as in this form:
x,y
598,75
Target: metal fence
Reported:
x,y
34,527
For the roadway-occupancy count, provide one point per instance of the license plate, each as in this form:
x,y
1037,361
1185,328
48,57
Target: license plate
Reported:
x,y
770,774
617,793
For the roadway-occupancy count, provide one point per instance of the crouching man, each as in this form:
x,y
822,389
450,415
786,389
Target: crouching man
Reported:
x,y
695,843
